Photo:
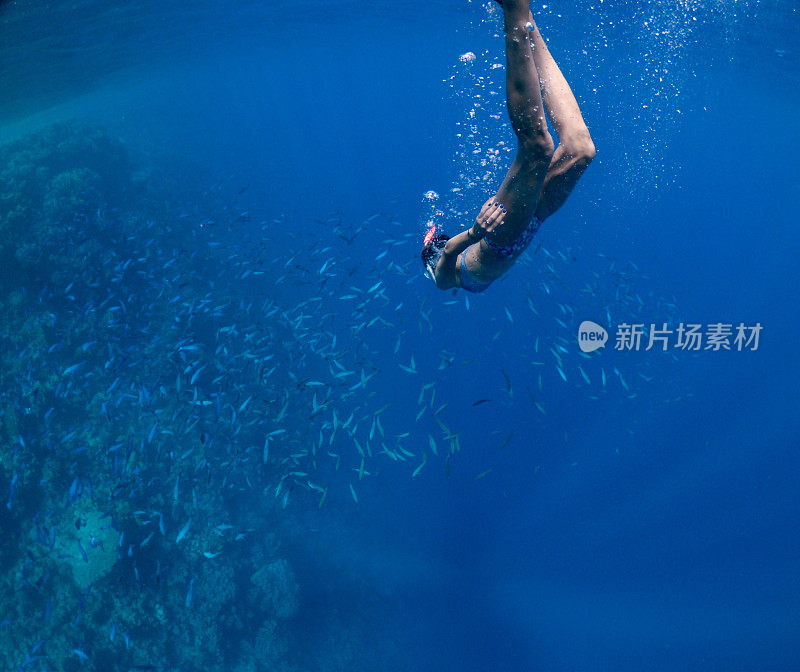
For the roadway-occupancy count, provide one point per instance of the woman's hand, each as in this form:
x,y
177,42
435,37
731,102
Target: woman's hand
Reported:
x,y
489,218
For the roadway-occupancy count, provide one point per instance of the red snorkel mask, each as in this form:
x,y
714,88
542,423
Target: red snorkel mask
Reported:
x,y
429,234
432,245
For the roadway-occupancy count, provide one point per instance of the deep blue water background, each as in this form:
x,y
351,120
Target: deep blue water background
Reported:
x,y
618,533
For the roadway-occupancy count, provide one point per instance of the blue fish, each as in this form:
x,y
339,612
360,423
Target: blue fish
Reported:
x,y
73,489
190,594
11,488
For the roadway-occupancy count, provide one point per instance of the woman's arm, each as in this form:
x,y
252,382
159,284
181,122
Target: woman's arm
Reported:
x,y
489,218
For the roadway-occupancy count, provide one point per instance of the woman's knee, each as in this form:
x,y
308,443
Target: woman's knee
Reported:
x,y
580,145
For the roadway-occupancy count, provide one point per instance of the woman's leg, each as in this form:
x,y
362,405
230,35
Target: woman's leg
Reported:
x,y
575,149
520,189
523,90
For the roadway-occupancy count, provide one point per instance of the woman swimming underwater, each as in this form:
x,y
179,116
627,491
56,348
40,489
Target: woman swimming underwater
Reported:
x,y
541,177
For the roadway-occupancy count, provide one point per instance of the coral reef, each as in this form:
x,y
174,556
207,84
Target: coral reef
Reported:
x,y
106,565
87,542
277,589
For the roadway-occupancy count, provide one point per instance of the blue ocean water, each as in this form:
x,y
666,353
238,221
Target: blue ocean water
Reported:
x,y
281,448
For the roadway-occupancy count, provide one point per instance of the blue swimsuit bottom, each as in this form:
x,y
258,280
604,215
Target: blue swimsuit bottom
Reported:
x,y
469,281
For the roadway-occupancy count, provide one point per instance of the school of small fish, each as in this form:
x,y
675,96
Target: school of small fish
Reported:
x,y
161,367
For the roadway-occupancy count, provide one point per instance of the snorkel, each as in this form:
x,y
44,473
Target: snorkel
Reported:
x,y
432,246
434,240
429,234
